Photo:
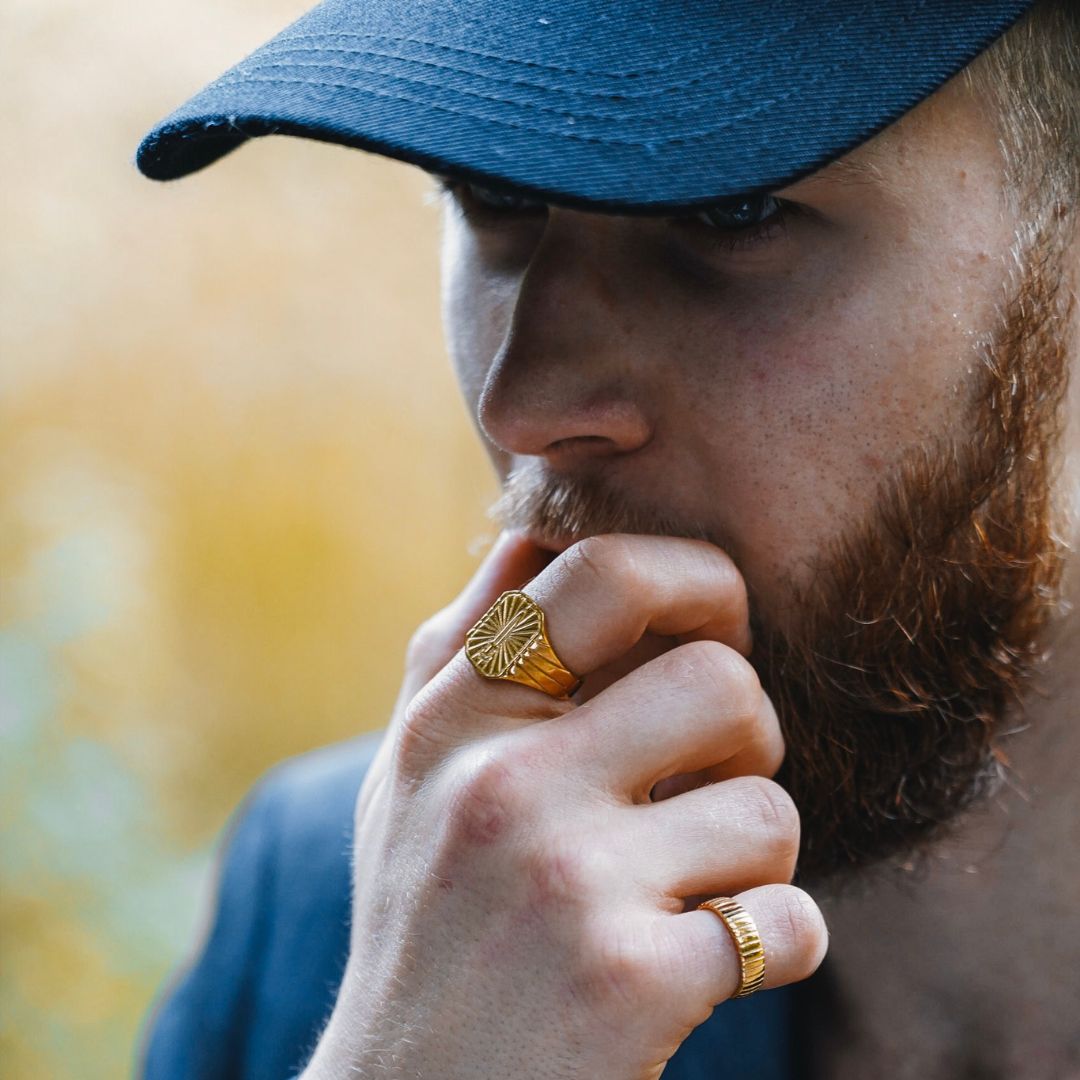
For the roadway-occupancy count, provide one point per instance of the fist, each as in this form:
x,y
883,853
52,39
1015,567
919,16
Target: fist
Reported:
x,y
527,869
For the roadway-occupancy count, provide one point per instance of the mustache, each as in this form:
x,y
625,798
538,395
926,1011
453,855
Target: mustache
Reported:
x,y
573,506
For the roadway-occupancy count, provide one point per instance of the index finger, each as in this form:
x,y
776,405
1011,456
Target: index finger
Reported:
x,y
603,594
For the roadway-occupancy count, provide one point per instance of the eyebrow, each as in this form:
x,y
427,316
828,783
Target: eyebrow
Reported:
x,y
848,171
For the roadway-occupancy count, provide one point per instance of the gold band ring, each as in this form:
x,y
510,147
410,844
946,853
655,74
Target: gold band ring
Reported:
x,y
510,642
747,942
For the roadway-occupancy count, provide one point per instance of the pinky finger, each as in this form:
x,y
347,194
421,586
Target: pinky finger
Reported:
x,y
792,931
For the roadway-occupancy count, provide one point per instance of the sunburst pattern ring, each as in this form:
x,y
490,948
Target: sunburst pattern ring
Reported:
x,y
510,629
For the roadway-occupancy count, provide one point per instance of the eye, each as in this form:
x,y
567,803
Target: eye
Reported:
x,y
742,222
502,200
740,212
483,203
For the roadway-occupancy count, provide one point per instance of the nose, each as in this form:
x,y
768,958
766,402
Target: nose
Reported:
x,y
569,381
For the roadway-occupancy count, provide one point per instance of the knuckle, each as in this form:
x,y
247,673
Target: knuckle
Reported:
x,y
774,810
731,677
742,686
606,557
485,800
738,600
616,968
562,874
419,739
773,738
801,927
431,723
428,644
424,710
727,582
736,584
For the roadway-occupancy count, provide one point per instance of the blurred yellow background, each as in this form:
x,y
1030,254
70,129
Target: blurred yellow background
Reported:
x,y
235,473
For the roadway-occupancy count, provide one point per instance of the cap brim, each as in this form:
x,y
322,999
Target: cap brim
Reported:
x,y
633,106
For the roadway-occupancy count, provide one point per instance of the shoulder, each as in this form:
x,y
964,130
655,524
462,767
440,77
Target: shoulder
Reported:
x,y
301,812
264,977
290,842
309,799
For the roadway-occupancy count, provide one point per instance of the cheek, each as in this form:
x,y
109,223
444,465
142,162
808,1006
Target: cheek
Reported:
x,y
805,402
846,366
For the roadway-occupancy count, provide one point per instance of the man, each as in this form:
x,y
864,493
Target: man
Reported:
x,y
765,314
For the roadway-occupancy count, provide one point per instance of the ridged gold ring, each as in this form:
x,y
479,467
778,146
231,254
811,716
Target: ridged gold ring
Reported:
x,y
510,642
747,940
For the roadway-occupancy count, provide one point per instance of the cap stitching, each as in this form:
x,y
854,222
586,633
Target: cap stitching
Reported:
x,y
285,46
759,45
575,114
700,76
688,137
565,69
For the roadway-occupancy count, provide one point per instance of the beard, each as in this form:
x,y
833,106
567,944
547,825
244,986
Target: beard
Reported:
x,y
922,624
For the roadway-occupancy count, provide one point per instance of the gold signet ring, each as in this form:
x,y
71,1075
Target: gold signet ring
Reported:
x,y
747,942
510,642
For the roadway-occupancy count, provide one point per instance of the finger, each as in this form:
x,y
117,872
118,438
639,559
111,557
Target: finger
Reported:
x,y
728,836
792,931
512,561
700,705
603,594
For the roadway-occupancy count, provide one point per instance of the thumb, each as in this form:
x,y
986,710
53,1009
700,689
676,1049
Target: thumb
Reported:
x,y
512,561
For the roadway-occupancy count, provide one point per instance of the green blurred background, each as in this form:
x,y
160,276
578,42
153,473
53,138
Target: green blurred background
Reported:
x,y
235,474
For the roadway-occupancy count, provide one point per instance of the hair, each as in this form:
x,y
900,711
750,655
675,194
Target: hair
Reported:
x,y
1031,74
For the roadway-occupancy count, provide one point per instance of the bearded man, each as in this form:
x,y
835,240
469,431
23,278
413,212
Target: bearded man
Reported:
x,y
766,317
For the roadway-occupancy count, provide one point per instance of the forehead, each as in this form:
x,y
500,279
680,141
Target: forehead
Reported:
x,y
947,131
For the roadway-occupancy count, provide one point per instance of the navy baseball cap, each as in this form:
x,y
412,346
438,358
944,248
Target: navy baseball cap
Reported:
x,y
613,105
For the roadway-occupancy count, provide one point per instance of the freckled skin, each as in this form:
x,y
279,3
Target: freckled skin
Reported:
x,y
760,392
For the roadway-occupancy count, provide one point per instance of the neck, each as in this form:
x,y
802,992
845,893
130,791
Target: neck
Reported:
x,y
970,966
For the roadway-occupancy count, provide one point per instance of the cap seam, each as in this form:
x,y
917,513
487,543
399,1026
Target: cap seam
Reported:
x,y
674,140
285,42
795,23
577,114
285,46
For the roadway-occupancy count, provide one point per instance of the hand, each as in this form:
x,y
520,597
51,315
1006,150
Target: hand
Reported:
x,y
519,898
